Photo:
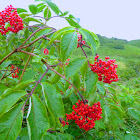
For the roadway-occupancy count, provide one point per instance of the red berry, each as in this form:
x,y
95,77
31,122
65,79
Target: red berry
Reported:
x,y
9,15
46,52
85,115
105,70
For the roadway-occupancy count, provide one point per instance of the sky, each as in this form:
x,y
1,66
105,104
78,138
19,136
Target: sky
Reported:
x,y
110,18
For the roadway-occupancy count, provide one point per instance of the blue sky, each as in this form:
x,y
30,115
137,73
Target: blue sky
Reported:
x,y
110,18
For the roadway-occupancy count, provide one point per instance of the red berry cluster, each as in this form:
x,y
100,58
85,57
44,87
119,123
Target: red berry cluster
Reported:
x,y
14,71
105,69
46,52
9,15
85,115
64,123
80,40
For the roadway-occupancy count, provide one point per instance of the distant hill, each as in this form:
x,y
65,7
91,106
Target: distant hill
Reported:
x,y
135,42
115,42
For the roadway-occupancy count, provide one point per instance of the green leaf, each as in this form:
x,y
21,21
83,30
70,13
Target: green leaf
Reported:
x,y
40,4
107,113
131,137
23,15
26,33
60,32
21,10
68,44
73,23
43,32
100,88
40,8
134,113
52,50
2,88
53,6
28,19
56,78
33,9
6,64
65,13
83,69
47,13
118,110
23,134
74,66
64,136
71,16
54,101
49,136
91,39
90,80
37,120
23,84
73,97
29,75
9,99
11,122
76,81
93,97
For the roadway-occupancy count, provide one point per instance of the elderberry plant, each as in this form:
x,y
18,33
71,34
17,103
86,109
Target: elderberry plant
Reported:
x,y
41,82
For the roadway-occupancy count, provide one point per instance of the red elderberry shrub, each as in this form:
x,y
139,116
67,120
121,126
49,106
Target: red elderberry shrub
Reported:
x,y
10,16
46,52
85,115
105,69
14,71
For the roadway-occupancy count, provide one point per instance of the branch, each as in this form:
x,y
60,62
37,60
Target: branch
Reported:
x,y
4,74
39,81
31,36
43,36
20,47
7,56
31,54
85,55
48,66
26,65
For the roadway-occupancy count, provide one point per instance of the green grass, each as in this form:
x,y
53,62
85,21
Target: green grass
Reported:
x,y
135,42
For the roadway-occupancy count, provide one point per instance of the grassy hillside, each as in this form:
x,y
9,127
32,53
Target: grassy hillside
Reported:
x,y
135,42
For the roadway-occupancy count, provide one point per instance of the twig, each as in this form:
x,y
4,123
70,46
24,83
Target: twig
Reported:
x,y
7,56
26,65
31,36
37,39
63,78
31,54
101,96
39,81
85,55
86,45
4,74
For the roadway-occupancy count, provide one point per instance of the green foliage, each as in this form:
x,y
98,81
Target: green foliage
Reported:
x,y
90,81
33,105
33,9
68,44
53,101
74,66
11,122
38,122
